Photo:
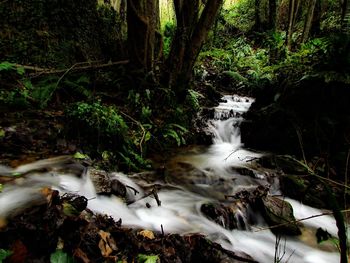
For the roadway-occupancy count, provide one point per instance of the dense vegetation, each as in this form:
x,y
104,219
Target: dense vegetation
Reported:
x,y
120,81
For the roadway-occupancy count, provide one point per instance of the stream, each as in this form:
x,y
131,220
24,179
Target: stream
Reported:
x,y
194,179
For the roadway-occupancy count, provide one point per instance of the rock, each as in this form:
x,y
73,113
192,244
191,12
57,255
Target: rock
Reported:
x,y
118,188
101,181
235,214
229,216
279,212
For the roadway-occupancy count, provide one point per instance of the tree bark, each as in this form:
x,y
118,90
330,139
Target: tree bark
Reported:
x,y
290,24
191,32
345,16
272,14
308,21
142,29
258,23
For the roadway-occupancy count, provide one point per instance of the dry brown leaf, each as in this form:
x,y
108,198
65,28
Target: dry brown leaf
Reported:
x,y
107,244
81,255
147,234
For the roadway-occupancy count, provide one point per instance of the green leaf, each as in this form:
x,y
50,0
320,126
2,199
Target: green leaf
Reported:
x,y
6,65
60,257
80,156
141,258
4,254
147,136
2,133
20,70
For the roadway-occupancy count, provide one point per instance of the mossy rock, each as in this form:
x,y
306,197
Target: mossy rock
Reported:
x,y
280,212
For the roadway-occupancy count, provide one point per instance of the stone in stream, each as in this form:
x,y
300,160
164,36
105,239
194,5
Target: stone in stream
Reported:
x,y
278,212
104,185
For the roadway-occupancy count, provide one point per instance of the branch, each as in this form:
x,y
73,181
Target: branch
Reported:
x,y
84,66
141,126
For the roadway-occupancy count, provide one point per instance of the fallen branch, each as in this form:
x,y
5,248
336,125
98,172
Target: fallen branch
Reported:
x,y
82,66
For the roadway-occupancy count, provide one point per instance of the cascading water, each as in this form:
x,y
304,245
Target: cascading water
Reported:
x,y
213,175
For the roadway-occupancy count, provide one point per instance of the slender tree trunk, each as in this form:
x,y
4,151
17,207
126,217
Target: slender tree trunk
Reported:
x,y
272,14
191,32
308,21
258,23
316,20
296,11
290,24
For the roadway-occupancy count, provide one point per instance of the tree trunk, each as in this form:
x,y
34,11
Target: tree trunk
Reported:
x,y
308,21
290,24
345,17
272,14
191,32
258,23
142,29
316,20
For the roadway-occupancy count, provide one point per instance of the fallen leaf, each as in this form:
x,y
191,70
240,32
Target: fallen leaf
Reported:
x,y
147,234
107,244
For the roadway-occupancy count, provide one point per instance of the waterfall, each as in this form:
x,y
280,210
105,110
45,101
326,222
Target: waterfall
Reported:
x,y
214,174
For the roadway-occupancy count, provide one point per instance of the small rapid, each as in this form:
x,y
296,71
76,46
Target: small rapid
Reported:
x,y
214,175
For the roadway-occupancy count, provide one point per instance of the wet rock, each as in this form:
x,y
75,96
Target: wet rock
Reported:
x,y
311,191
105,185
101,181
228,216
237,213
118,188
279,212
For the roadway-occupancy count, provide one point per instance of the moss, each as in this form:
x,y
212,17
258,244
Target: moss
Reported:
x,y
56,33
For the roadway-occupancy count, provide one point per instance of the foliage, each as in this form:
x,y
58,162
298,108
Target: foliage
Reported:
x,y
57,34
141,258
97,116
59,256
4,254
168,34
175,132
240,62
192,99
240,15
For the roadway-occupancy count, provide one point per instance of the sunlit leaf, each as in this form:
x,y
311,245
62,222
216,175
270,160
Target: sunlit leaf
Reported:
x,y
141,258
6,65
80,156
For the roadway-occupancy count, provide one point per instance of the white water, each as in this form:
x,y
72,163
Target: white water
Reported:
x,y
180,208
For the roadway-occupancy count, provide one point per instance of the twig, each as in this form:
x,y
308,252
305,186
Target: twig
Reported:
x,y
67,71
299,220
154,191
141,126
161,227
155,194
132,188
